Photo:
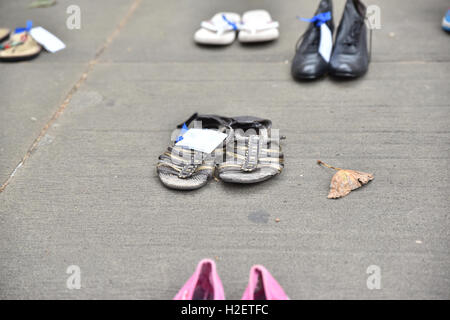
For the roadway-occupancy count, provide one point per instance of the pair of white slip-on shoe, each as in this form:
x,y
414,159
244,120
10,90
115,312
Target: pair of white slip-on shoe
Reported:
x,y
255,26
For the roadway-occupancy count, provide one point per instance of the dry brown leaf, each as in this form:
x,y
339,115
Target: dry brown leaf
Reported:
x,y
344,181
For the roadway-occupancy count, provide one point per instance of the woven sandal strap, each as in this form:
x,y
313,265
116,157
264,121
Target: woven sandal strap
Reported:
x,y
251,154
10,44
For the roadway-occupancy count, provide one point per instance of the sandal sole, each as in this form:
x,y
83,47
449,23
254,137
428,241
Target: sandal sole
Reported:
x,y
20,58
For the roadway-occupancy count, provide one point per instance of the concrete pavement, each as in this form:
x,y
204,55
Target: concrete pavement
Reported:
x,y
88,195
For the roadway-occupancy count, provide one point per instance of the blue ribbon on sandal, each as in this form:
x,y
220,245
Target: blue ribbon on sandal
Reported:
x,y
232,24
27,28
318,19
183,131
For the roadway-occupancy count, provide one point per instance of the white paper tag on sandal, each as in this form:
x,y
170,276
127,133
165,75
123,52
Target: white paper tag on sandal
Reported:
x,y
204,140
47,39
326,42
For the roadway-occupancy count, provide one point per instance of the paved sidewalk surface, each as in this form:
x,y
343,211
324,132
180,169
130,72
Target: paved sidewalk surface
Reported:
x,y
88,194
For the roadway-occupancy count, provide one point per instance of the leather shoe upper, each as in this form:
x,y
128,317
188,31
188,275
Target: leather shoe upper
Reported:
x,y
350,57
308,63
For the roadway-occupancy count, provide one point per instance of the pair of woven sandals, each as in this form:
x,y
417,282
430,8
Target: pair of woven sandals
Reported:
x,y
250,153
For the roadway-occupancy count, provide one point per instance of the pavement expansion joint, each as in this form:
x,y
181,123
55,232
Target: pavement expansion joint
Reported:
x,y
73,90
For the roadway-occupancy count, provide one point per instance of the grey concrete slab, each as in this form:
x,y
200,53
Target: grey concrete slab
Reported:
x,y
89,194
98,19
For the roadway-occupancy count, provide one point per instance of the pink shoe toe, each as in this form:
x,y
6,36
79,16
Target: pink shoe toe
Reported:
x,y
204,284
262,286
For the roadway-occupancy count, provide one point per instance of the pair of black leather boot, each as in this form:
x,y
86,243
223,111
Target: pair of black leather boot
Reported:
x,y
349,57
